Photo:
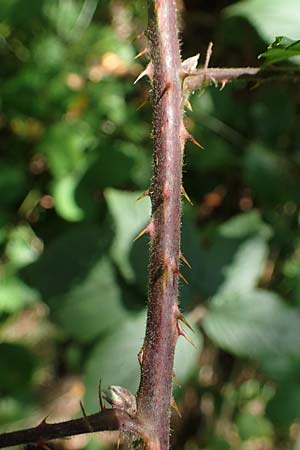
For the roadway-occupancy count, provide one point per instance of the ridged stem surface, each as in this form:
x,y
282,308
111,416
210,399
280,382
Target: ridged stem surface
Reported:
x,y
155,391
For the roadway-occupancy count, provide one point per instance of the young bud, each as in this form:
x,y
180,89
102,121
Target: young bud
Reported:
x,y
121,398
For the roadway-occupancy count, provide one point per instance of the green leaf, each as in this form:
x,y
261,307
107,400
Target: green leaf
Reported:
x,y
112,167
129,218
251,426
268,175
68,260
232,259
270,18
23,246
256,324
114,359
245,224
109,103
15,295
85,298
243,273
66,148
281,49
284,407
91,307
139,262
64,17
186,356
207,258
64,198
14,12
13,410
48,53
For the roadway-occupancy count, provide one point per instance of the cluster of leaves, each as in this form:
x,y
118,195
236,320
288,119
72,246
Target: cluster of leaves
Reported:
x,y
75,154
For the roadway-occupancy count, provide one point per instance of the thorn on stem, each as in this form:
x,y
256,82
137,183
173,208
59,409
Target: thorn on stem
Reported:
x,y
101,403
143,195
211,78
194,141
141,53
186,136
82,409
164,91
182,333
208,55
147,72
142,105
85,417
186,196
182,277
177,271
119,441
188,105
147,229
183,259
43,422
140,356
186,323
223,84
175,407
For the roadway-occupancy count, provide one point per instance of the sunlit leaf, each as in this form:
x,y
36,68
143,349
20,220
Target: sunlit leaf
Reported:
x,y
243,225
23,246
243,273
114,359
64,191
15,295
270,18
65,147
256,324
129,218
281,49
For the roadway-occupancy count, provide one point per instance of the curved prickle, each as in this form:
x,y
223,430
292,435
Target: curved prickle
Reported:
x,y
148,72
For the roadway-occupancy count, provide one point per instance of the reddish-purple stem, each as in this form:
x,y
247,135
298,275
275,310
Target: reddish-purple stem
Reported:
x,y
155,390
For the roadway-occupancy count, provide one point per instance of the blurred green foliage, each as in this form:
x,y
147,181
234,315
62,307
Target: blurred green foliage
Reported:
x,y
75,154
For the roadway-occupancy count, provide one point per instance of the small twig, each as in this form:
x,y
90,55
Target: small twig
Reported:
x,y
108,420
208,54
101,403
223,75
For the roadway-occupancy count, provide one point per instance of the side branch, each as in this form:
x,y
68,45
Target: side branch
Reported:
x,y
107,420
196,79
216,75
